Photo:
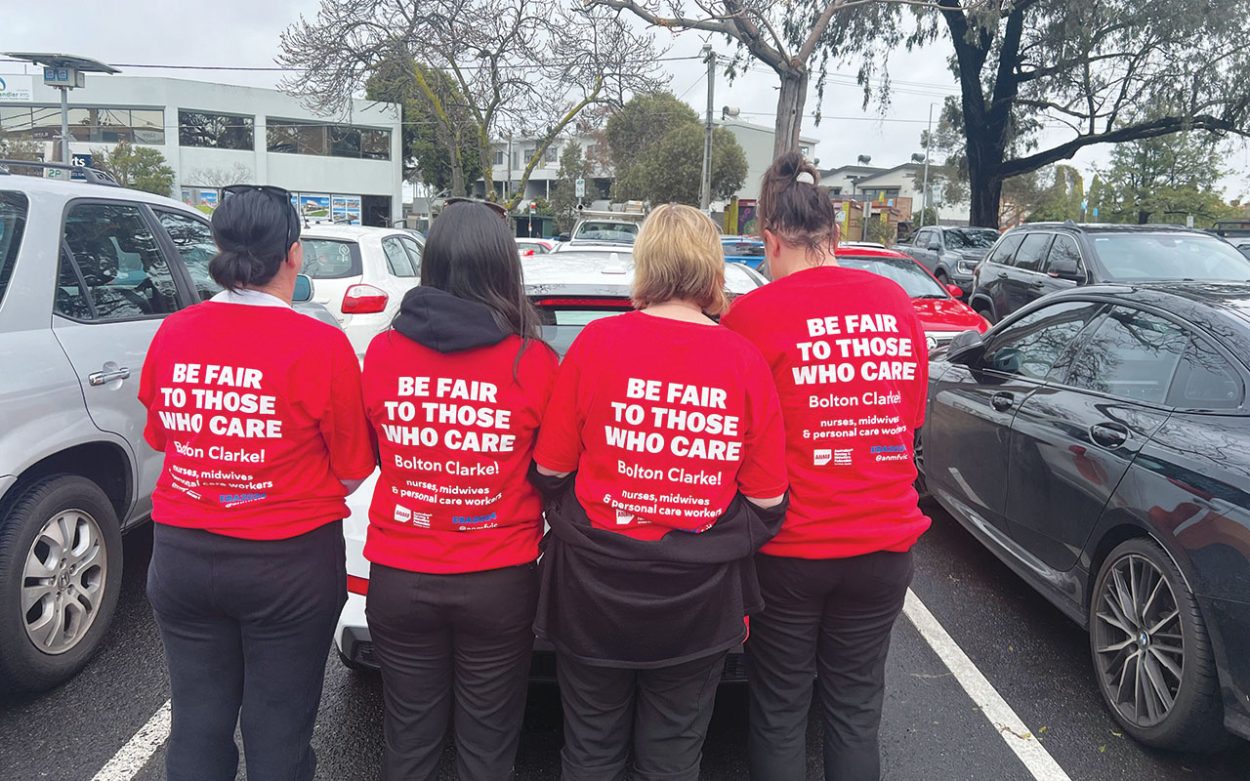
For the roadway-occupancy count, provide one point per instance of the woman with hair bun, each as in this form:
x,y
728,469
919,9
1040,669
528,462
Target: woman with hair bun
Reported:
x,y
835,576
258,410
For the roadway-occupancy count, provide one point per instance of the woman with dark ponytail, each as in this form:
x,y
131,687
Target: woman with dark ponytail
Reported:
x,y
835,576
258,410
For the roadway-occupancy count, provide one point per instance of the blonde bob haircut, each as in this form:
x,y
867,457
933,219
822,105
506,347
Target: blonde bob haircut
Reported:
x,y
678,256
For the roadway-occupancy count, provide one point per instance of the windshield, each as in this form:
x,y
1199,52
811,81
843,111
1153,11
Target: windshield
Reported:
x,y
971,238
13,208
905,272
607,231
1128,256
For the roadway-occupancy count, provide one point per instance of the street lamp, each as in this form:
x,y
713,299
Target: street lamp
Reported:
x,y
64,72
919,158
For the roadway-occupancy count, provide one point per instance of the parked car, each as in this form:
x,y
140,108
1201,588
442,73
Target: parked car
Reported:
x,y
528,247
940,311
1031,261
1098,442
87,273
747,250
362,275
951,253
569,290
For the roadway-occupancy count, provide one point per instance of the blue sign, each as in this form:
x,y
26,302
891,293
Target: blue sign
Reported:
x,y
79,161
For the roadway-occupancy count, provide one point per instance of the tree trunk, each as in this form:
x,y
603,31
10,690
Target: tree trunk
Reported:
x,y
790,103
985,182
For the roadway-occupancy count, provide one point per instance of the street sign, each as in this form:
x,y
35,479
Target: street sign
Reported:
x,y
579,188
79,161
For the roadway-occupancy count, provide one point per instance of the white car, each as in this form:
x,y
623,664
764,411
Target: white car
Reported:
x,y
569,289
361,275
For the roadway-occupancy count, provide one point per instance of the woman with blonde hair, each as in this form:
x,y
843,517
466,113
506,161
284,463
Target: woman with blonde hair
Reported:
x,y
661,453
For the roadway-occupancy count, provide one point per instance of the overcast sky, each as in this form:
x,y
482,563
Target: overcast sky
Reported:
x,y
245,32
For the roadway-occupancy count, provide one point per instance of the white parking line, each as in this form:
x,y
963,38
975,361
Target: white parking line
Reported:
x,y
1006,723
127,763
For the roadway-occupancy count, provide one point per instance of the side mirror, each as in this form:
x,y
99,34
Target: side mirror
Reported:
x,y
955,290
303,289
1066,268
966,348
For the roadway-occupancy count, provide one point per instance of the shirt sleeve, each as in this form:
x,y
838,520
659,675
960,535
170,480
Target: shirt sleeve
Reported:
x,y
153,430
343,425
560,436
763,472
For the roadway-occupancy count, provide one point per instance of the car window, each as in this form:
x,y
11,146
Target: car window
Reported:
x,y
397,259
193,238
743,249
607,231
909,276
1031,346
1006,249
13,209
1128,256
115,256
1205,380
971,238
331,259
1132,355
414,252
1064,248
1032,251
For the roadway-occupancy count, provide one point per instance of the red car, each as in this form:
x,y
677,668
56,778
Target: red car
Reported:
x,y
939,308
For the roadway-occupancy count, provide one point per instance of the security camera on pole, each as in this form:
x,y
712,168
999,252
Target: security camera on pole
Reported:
x,y
64,72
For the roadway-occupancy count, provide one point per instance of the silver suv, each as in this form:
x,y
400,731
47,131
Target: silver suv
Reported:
x,y
87,272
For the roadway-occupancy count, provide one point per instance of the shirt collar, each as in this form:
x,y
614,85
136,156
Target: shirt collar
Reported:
x,y
249,298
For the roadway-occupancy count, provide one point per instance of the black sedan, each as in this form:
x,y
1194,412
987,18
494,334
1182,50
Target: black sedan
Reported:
x,y
1098,441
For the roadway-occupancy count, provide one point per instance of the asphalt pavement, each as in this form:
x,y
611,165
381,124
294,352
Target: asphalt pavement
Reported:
x,y
933,729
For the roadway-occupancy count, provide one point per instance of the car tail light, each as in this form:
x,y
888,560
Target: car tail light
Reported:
x,y
357,585
364,300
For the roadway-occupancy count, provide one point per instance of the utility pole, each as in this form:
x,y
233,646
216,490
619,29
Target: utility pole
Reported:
x,y
705,192
928,145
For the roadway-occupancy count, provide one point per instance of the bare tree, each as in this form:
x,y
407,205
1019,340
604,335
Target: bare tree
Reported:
x,y
787,37
526,67
221,177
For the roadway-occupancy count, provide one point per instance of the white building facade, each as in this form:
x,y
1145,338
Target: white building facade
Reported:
x,y
903,181
348,168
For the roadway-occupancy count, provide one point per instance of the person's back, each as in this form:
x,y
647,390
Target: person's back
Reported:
x,y
848,357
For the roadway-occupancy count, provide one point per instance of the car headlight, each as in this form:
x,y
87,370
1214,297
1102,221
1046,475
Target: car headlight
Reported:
x,y
966,266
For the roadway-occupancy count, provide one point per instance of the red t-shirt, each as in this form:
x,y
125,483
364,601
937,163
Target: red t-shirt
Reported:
x,y
851,366
664,422
455,435
259,413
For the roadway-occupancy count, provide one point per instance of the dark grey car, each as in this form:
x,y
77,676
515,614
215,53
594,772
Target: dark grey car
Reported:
x,y
951,253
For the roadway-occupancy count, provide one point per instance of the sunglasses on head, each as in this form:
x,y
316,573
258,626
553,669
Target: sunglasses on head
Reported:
x,y
292,220
495,207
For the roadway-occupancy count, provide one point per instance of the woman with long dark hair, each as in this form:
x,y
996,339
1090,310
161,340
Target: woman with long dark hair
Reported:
x,y
258,411
455,391
835,576
663,454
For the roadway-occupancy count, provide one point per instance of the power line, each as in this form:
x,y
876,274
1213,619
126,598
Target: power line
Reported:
x,y
286,69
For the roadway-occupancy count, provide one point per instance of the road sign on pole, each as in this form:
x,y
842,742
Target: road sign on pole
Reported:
x,y
579,188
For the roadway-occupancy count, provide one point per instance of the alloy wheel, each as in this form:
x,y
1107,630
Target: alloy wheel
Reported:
x,y
1138,641
63,581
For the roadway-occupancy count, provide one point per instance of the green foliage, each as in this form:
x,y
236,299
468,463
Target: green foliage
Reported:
x,y
657,149
881,231
1053,194
1164,180
573,165
427,143
137,167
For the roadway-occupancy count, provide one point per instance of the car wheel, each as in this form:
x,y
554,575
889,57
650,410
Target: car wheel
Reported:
x,y
984,311
60,575
355,666
1151,652
942,277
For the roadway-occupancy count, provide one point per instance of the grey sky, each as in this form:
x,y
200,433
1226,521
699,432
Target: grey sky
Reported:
x,y
245,32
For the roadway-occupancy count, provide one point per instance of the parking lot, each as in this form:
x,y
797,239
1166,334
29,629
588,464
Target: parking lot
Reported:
x,y
108,723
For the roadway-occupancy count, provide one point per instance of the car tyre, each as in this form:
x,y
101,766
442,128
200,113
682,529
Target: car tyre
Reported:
x,y
942,277
354,666
51,625
984,311
1145,628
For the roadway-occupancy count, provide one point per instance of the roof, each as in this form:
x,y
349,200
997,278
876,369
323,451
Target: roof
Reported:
x,y
1104,227
868,169
70,188
85,64
862,251
335,231
730,123
604,274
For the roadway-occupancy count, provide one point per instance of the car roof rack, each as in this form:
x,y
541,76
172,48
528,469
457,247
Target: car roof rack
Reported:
x,y
94,175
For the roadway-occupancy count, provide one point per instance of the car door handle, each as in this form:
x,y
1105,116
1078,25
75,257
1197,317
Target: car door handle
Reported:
x,y
1002,401
1109,434
105,377
1002,275
1038,283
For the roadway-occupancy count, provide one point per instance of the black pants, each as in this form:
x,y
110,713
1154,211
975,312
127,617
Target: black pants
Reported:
x,y
247,626
662,713
453,649
828,620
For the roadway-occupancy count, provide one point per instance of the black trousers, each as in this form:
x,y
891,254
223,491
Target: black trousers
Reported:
x,y
247,627
828,620
662,713
454,649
